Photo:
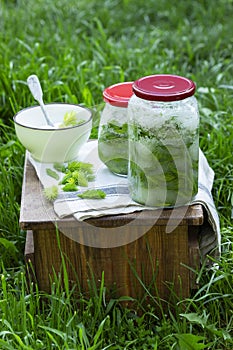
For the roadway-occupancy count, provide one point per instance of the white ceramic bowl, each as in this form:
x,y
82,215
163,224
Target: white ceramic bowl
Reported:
x,y
52,145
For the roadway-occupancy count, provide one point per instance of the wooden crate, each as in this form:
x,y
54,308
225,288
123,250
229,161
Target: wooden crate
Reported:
x,y
156,259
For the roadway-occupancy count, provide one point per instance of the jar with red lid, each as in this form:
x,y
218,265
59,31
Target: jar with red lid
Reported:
x,y
113,128
163,141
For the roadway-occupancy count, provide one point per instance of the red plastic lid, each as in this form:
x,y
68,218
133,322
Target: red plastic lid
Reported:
x,y
119,94
164,87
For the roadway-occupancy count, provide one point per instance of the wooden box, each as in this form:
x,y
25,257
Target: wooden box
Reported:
x,y
151,250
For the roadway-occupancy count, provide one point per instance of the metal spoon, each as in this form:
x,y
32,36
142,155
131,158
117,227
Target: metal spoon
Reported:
x,y
36,90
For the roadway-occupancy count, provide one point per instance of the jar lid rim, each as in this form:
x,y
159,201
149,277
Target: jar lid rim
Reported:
x,y
164,87
118,94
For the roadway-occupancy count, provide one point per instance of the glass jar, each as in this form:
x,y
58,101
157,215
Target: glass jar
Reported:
x,y
163,141
113,128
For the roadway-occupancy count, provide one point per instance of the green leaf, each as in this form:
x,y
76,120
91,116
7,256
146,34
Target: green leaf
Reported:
x,y
8,245
5,345
191,342
66,178
99,333
70,119
76,165
52,173
80,178
60,167
83,336
70,187
50,330
195,318
92,194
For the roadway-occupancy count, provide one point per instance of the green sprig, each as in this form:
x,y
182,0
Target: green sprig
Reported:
x,y
92,194
52,173
51,193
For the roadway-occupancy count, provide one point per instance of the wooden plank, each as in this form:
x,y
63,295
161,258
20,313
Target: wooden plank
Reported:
x,y
34,208
29,257
154,260
194,255
29,248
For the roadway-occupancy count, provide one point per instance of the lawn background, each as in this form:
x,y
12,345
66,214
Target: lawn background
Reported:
x,y
77,48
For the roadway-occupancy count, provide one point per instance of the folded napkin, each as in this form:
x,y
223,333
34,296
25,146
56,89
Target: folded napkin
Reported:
x,y
118,201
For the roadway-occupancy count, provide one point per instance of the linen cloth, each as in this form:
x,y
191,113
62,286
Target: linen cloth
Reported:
x,y
118,200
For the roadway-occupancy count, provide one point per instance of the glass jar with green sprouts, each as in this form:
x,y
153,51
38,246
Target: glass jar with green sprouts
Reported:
x,y
113,128
163,141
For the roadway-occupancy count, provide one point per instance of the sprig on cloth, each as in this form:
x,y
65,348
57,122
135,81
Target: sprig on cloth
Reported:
x,y
51,193
52,173
92,194
76,174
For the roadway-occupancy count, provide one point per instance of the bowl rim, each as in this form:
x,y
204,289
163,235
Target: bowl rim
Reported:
x,y
53,129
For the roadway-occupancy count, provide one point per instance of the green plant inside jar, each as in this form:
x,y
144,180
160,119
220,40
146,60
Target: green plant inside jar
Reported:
x,y
113,146
162,168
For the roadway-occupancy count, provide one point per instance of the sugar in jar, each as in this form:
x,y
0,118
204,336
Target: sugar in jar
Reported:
x,y
163,141
113,128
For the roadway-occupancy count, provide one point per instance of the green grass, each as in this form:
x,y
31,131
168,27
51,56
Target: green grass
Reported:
x,y
77,48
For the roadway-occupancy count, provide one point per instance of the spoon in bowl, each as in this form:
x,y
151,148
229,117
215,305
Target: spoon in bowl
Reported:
x,y
36,90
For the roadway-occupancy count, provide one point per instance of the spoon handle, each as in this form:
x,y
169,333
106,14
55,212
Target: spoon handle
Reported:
x,y
35,87
36,90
